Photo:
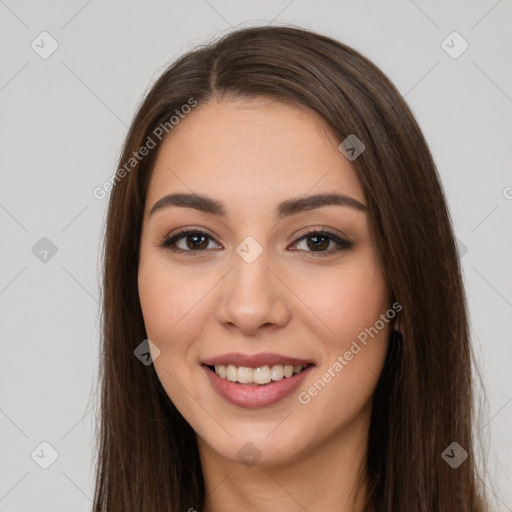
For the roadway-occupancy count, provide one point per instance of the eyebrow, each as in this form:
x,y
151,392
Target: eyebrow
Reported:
x,y
286,208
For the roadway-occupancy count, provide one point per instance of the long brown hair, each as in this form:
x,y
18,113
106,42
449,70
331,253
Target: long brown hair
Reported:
x,y
147,453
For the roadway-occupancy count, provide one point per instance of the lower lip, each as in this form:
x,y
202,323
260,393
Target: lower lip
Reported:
x,y
245,395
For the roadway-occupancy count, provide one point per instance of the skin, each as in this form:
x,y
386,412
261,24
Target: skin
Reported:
x,y
293,302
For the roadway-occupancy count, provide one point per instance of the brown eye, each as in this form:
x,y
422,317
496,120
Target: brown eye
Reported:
x,y
195,241
318,242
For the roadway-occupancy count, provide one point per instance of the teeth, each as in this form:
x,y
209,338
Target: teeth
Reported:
x,y
277,372
222,371
231,373
261,375
245,375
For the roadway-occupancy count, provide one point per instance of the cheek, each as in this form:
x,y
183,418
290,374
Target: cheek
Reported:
x,y
353,360
345,301
170,302
357,308
349,309
174,317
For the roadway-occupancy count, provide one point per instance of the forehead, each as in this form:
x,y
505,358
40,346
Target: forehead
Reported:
x,y
252,150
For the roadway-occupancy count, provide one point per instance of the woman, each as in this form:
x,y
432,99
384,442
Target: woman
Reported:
x,y
284,321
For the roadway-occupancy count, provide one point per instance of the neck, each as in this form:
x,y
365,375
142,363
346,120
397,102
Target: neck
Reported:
x,y
322,477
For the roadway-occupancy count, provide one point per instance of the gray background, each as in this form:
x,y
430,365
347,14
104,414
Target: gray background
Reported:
x,y
63,120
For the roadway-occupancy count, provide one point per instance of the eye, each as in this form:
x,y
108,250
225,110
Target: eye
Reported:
x,y
319,240
196,241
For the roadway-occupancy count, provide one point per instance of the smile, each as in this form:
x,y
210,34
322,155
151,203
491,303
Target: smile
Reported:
x,y
261,375
252,394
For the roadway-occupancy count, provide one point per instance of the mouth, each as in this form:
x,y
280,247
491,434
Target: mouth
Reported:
x,y
257,386
259,376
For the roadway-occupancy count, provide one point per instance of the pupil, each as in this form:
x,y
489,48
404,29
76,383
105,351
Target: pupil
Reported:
x,y
193,245
315,245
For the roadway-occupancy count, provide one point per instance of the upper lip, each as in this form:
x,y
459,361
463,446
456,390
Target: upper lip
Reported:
x,y
255,360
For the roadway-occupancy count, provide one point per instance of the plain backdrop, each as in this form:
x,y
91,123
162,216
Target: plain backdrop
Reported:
x,y
64,117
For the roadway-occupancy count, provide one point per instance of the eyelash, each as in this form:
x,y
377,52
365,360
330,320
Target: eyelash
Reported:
x,y
169,242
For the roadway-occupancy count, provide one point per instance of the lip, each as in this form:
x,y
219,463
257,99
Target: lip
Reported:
x,y
255,360
246,395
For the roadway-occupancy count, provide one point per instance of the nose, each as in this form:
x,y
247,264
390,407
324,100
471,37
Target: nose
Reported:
x,y
255,297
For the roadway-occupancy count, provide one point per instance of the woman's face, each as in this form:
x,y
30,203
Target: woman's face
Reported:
x,y
250,294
